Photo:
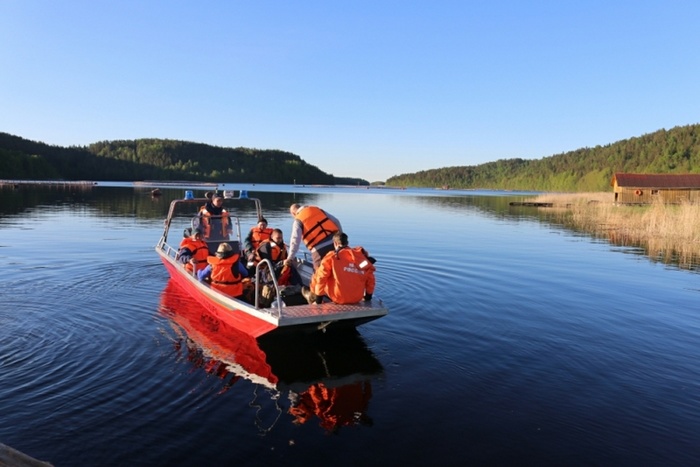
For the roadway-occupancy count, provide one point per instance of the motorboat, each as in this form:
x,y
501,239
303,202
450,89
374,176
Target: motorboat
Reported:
x,y
255,317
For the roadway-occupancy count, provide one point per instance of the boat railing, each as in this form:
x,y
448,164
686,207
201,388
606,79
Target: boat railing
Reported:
x,y
170,251
276,308
237,223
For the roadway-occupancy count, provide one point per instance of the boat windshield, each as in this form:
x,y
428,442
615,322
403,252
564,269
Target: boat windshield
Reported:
x,y
186,215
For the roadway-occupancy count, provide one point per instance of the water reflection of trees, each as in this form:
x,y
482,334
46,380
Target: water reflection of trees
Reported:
x,y
139,202
14,200
494,206
122,201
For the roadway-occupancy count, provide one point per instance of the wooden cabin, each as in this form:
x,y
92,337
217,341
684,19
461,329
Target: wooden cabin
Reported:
x,y
646,188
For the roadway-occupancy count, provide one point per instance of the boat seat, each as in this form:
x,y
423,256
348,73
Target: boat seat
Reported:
x,y
235,244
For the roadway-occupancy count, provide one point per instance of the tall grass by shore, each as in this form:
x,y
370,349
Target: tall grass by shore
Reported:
x,y
670,233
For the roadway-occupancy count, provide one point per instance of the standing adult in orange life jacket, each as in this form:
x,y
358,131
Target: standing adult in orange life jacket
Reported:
x,y
346,275
193,250
315,227
225,271
215,220
256,236
208,195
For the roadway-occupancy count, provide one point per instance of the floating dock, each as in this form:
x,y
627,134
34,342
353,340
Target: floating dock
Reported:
x,y
529,203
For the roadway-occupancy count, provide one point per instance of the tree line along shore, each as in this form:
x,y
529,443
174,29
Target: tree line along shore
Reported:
x,y
583,170
674,151
157,159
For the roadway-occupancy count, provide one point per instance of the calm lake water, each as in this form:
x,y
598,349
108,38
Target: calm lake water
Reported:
x,y
510,341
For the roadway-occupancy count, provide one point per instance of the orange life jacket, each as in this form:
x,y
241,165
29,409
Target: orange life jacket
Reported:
x,y
285,276
207,222
199,250
272,251
225,276
317,226
344,276
258,235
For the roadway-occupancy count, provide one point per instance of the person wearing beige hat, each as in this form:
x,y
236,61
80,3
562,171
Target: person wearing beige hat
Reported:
x,y
225,271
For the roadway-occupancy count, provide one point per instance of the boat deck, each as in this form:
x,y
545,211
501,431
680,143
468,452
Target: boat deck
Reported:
x,y
301,314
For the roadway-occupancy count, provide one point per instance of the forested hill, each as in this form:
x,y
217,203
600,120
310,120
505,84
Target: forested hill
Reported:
x,y
589,169
156,159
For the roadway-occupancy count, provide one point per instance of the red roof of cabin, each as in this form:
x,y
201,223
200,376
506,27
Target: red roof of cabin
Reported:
x,y
657,180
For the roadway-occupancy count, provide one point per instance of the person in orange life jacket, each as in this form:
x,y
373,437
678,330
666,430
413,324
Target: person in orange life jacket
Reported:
x,y
272,248
215,220
225,271
257,234
276,252
315,227
208,195
197,221
193,250
346,275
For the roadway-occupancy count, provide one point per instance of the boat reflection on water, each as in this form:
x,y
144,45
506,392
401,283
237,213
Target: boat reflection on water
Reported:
x,y
327,376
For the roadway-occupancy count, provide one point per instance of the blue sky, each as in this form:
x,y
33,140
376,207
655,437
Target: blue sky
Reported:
x,y
364,89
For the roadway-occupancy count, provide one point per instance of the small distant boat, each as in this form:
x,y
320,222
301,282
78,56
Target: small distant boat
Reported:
x,y
254,318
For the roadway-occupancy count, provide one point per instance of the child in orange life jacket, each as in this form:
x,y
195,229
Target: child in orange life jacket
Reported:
x,y
274,250
258,233
225,271
193,250
346,275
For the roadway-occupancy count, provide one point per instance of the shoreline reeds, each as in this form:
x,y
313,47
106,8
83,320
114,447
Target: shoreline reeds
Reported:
x,y
666,232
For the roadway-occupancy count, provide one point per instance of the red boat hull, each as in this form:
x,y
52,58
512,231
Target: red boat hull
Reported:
x,y
235,318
